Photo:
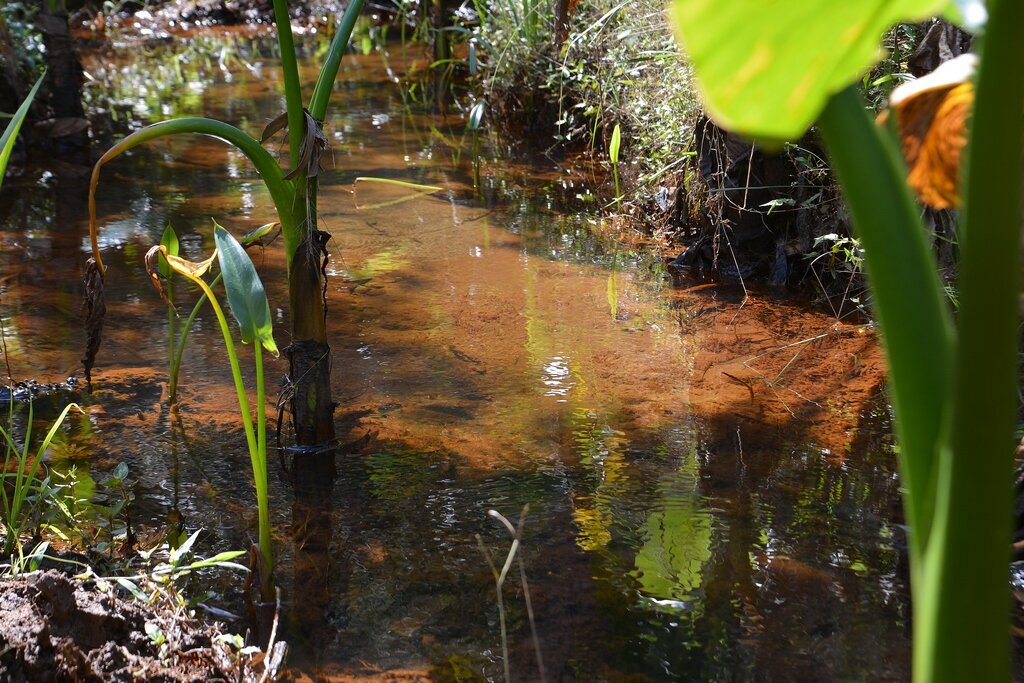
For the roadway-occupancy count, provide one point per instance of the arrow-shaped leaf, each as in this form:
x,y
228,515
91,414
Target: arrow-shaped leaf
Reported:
x,y
246,296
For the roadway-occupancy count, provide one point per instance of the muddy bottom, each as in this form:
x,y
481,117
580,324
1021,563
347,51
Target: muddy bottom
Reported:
x,y
53,628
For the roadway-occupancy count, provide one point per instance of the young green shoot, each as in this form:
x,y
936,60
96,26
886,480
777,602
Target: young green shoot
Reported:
x,y
249,306
19,479
613,154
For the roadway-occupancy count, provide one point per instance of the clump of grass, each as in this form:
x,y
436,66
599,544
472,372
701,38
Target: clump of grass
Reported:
x,y
618,65
23,490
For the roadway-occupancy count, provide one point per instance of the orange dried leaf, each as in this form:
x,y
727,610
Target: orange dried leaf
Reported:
x,y
931,118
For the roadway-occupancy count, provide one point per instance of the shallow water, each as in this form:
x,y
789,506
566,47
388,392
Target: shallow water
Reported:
x,y
710,480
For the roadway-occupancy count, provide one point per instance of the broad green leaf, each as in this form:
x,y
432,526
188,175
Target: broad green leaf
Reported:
x,y
246,295
11,132
766,69
168,240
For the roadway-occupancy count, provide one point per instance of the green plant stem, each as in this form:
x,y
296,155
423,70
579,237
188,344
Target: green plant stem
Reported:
x,y
280,190
916,328
171,355
259,469
329,71
185,330
292,86
966,593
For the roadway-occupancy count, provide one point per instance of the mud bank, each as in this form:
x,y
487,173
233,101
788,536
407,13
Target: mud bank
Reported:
x,y
53,628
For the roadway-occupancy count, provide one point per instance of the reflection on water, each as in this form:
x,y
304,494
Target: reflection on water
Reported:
x,y
710,481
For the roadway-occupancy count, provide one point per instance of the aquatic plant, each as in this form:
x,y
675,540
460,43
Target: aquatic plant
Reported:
x,y
250,308
294,194
261,236
770,71
20,484
11,131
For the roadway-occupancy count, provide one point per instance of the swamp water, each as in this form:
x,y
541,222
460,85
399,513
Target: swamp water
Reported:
x,y
711,485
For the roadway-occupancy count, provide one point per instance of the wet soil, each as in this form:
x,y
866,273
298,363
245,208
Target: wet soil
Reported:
x,y
54,628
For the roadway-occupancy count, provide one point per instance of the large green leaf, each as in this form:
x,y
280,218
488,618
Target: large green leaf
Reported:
x,y
7,139
766,68
246,295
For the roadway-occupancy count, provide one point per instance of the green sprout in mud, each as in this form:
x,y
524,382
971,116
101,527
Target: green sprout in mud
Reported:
x,y
769,70
21,487
249,306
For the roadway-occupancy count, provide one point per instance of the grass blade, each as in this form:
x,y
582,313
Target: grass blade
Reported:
x,y
11,132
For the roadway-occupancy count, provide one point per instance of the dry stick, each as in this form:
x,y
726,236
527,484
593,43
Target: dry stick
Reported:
x,y
267,659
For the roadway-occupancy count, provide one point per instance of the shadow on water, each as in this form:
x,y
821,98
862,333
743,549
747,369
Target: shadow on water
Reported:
x,y
710,479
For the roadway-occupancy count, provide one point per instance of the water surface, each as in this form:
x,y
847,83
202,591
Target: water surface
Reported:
x,y
711,488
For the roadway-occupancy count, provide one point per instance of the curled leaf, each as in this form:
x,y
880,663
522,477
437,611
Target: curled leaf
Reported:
x,y
311,153
189,269
170,240
278,124
94,308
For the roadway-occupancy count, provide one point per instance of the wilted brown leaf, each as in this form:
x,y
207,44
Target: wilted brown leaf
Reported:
x,y
931,119
94,308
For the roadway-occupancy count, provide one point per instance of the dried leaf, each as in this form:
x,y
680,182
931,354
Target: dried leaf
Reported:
x,y
280,123
179,265
311,153
94,308
931,118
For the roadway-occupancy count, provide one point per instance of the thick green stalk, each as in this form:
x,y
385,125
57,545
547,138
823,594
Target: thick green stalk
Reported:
x,y
965,590
912,313
329,71
280,190
292,85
